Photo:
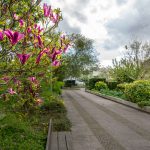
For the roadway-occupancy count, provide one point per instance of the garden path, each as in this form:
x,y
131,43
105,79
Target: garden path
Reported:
x,y
100,124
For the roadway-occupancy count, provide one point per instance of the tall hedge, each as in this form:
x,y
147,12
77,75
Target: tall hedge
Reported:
x,y
112,84
92,82
69,83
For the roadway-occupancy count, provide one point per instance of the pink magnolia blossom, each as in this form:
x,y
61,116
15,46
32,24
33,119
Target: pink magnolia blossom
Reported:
x,y
56,63
39,28
16,17
16,81
11,91
6,79
1,35
39,41
47,10
32,79
66,47
29,30
21,22
23,58
55,53
14,37
40,55
55,18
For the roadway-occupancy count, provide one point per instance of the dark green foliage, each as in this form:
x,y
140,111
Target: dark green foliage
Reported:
x,y
100,85
122,86
112,84
138,91
92,82
16,133
113,93
57,87
143,103
54,106
70,83
21,131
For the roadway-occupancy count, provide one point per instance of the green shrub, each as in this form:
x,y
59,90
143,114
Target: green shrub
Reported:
x,y
54,106
113,93
57,87
92,82
69,83
112,84
143,103
138,91
122,86
100,85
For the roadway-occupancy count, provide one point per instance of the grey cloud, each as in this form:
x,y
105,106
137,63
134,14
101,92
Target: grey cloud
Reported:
x,y
132,24
93,10
65,26
120,2
80,16
82,3
76,10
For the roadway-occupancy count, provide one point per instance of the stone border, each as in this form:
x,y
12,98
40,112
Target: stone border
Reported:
x,y
121,101
48,143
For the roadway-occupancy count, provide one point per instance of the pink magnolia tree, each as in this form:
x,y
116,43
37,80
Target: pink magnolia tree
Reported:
x,y
30,48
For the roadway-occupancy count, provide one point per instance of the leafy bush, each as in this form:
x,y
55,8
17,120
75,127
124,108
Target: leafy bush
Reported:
x,y
69,83
122,86
113,93
92,82
112,84
100,85
54,106
57,87
143,103
138,91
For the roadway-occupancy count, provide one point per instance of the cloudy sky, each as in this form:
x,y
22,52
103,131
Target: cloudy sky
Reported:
x,y
110,23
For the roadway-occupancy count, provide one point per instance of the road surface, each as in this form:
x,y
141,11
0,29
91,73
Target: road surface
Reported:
x,y
100,124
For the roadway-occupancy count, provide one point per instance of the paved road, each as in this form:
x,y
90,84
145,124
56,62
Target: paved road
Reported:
x,y
100,124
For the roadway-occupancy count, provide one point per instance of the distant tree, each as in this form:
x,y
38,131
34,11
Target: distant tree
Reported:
x,y
80,60
134,63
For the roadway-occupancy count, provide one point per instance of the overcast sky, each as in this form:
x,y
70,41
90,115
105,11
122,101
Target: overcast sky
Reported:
x,y
110,23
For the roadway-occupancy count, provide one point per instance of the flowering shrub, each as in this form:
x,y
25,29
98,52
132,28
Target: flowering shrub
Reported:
x,y
30,48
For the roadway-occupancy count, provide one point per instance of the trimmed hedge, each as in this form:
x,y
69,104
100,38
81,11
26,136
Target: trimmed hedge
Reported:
x,y
100,85
92,82
112,84
138,91
69,83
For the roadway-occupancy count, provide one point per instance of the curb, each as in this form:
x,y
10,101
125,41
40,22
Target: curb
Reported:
x,y
121,101
48,143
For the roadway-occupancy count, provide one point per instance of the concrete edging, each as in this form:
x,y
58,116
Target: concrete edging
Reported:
x,y
121,101
48,143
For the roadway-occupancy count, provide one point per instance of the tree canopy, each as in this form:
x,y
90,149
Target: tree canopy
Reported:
x,y
81,59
